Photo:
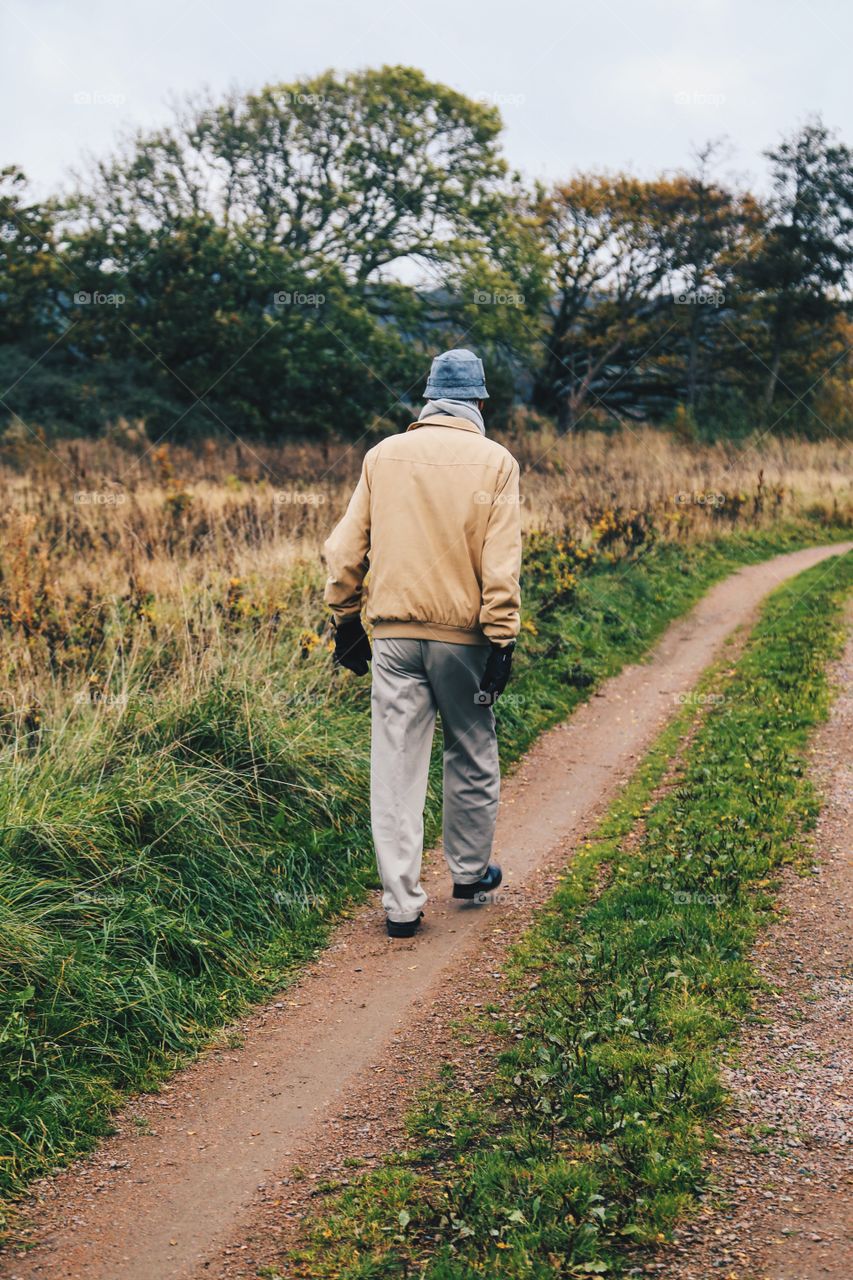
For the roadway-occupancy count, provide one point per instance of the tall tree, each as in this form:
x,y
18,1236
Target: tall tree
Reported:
x,y
711,232
602,239
802,271
332,186
362,171
30,270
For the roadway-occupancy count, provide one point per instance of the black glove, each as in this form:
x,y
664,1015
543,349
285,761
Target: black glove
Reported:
x,y
352,647
498,667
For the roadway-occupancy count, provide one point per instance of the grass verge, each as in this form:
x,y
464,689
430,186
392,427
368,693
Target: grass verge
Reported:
x,y
592,1137
163,868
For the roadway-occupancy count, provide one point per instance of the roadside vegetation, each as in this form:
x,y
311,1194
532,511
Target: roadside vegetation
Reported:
x,y
124,565
594,1133
183,798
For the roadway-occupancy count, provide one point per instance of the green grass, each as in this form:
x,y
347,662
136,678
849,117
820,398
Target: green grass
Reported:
x,y
163,868
592,1138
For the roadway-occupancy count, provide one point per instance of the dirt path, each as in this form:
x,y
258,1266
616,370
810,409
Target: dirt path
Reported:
x,y
782,1203
176,1192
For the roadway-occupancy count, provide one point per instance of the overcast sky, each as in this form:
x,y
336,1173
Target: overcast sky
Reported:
x,y
612,83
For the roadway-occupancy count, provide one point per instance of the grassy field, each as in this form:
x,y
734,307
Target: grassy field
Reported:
x,y
184,788
123,561
590,1140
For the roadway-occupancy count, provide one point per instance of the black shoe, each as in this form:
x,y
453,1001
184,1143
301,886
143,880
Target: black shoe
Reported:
x,y
490,881
404,929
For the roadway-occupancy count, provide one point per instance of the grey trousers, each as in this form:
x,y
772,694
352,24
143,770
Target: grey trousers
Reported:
x,y
412,679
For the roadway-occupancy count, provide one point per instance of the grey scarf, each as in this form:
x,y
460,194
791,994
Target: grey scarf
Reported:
x,y
454,409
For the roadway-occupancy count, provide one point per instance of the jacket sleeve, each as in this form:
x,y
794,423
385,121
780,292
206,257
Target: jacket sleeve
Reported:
x,y
346,552
501,562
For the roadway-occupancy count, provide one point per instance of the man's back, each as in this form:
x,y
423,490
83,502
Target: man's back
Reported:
x,y
436,514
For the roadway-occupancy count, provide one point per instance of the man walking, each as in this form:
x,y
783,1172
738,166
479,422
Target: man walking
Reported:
x,y
435,518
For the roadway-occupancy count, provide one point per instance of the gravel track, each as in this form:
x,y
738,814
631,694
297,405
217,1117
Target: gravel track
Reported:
x,y
322,1074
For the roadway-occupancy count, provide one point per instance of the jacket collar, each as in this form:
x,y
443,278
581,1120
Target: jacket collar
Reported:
x,y
445,420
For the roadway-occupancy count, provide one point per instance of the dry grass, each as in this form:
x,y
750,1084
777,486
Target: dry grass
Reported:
x,y
119,556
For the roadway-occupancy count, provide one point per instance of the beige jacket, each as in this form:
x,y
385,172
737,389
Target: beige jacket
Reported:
x,y
436,519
